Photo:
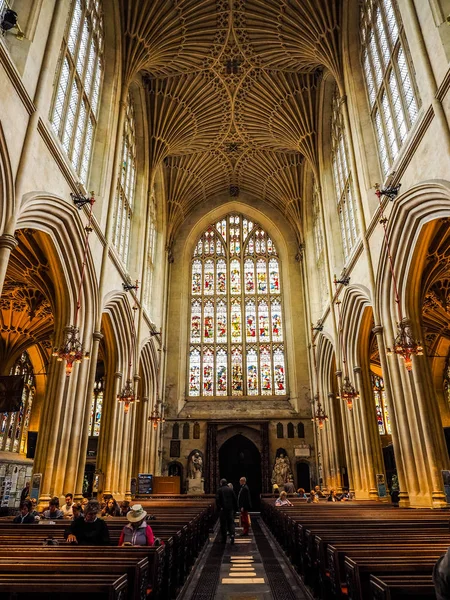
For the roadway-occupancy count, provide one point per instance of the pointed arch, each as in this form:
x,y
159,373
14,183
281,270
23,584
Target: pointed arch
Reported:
x,y
7,197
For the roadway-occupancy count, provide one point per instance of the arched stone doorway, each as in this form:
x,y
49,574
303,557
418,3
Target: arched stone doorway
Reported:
x,y
303,476
239,457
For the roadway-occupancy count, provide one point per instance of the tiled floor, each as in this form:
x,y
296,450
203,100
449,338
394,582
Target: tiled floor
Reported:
x,y
242,574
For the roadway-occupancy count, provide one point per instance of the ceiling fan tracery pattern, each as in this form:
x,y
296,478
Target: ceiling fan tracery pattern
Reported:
x,y
235,83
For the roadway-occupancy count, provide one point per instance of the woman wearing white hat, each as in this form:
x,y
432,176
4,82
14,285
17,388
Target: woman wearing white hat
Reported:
x,y
138,532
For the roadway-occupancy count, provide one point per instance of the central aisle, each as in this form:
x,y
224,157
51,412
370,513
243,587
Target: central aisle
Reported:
x,y
253,568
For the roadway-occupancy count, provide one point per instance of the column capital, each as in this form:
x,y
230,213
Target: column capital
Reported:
x,y
118,375
331,395
338,373
357,370
378,330
8,241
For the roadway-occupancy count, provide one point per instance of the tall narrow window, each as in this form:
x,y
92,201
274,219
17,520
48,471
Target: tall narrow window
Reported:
x,y
125,185
319,245
236,317
151,232
96,407
342,179
392,94
447,379
77,88
381,407
14,425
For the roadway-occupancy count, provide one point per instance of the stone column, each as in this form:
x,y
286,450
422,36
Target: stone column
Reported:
x,y
7,244
350,443
84,434
372,452
105,458
404,498
333,416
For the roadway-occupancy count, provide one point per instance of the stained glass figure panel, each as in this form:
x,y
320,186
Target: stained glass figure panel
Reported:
x,y
221,320
274,276
208,323
194,372
196,321
265,370
208,278
250,321
279,371
221,277
252,372
236,322
235,277
277,323
221,372
196,278
208,372
261,275
263,321
237,383
249,270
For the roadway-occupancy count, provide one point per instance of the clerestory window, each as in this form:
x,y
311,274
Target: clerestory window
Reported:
x,y
236,315
77,90
391,90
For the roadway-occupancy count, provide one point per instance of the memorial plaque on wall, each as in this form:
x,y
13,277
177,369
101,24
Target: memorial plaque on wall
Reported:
x,y
145,483
174,448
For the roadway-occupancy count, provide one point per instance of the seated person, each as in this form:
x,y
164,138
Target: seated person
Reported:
x,y
111,509
283,500
301,493
90,530
53,511
441,577
333,497
313,497
138,532
319,492
25,515
289,487
84,503
67,508
77,511
124,508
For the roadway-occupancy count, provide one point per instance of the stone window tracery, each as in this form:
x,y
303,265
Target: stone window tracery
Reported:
x,y
319,245
236,319
14,425
381,406
343,183
77,88
390,84
96,408
126,184
151,252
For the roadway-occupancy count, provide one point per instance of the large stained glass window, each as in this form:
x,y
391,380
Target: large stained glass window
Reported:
x,y
14,425
236,313
77,88
391,90
381,406
343,183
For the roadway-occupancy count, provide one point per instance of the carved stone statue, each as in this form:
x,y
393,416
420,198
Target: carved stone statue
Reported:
x,y
194,482
281,470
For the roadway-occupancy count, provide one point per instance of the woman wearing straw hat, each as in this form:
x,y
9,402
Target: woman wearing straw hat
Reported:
x,y
138,532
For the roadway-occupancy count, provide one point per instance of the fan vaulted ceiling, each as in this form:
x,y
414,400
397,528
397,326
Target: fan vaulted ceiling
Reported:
x,y
232,89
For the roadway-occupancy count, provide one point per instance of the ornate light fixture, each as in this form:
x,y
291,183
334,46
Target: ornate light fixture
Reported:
x,y
128,395
156,417
348,392
404,344
72,350
319,417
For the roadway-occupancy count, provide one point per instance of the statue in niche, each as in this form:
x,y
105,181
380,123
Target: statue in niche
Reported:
x,y
281,469
194,483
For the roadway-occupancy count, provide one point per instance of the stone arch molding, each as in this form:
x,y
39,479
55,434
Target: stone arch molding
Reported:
x,y
223,435
64,225
7,198
356,299
421,204
118,308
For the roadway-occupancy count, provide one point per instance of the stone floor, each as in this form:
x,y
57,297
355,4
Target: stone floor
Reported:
x,y
240,572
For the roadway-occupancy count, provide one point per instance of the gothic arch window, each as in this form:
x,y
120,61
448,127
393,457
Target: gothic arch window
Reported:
x,y
280,430
123,210
236,317
186,431
318,244
343,183
14,425
300,430
392,95
176,431
290,430
381,406
196,431
77,89
151,254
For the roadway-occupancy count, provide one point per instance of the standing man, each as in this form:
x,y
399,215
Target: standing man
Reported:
x,y
245,504
227,505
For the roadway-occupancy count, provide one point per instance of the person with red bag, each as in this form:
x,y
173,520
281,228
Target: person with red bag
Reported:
x,y
245,504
